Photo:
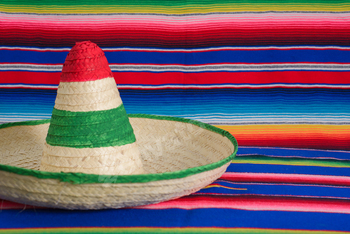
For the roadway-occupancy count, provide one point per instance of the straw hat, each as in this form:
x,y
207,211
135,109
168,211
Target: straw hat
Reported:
x,y
92,155
89,130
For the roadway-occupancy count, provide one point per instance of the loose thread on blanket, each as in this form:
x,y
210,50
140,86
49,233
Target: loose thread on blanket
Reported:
x,y
25,206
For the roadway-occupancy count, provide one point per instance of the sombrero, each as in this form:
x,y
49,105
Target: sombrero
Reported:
x,y
92,155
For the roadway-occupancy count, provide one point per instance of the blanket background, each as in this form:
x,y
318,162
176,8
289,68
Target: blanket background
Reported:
x,y
274,73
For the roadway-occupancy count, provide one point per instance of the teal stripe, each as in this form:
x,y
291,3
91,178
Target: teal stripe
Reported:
x,y
90,129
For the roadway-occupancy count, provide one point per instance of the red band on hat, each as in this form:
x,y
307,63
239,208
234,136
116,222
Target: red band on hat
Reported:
x,y
85,62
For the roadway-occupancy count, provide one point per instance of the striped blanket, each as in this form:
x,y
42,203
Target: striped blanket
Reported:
x,y
274,73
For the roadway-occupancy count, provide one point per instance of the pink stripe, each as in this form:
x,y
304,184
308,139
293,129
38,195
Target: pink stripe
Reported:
x,y
256,203
192,22
287,178
176,26
240,48
266,203
292,17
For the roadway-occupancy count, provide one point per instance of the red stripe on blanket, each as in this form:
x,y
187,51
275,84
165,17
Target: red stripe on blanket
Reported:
x,y
243,202
272,203
162,78
207,37
286,178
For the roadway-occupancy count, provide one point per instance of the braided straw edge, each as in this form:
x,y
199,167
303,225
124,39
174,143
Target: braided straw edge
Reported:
x,y
81,178
52,193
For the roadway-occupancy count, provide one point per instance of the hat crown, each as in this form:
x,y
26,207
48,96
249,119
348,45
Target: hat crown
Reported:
x,y
85,62
89,129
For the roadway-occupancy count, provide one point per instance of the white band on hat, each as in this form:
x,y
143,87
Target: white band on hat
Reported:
x,y
88,96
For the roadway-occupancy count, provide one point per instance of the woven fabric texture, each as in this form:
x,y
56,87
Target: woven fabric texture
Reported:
x,y
273,73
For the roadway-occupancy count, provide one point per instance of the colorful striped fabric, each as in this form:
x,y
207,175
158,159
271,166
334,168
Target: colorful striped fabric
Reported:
x,y
274,73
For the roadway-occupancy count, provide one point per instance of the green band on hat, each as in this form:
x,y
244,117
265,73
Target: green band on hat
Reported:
x,y
90,129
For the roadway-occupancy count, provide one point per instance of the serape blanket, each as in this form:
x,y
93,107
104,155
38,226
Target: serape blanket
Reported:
x,y
274,73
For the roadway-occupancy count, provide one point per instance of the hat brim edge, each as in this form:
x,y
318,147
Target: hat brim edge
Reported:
x,y
82,178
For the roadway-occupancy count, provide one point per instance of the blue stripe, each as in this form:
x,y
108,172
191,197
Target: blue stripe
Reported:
x,y
228,218
220,56
298,153
243,104
287,169
279,190
24,56
240,102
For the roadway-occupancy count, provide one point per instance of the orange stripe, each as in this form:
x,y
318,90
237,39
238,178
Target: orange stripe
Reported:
x,y
290,135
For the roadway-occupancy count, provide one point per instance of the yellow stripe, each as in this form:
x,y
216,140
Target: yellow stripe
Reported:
x,y
225,187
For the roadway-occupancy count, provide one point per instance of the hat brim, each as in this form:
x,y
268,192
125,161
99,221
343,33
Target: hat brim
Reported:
x,y
179,156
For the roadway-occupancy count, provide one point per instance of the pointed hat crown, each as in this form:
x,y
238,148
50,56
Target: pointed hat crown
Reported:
x,y
89,129
85,62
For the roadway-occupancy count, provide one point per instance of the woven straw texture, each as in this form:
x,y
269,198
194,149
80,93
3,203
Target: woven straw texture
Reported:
x,y
88,96
102,161
85,62
89,129
165,146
